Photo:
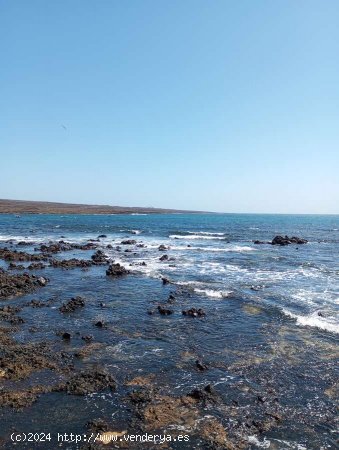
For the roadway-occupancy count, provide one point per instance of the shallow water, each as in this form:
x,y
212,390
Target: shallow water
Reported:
x,y
262,334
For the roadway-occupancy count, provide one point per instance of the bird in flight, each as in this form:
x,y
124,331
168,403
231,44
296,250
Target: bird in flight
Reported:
x,y
63,126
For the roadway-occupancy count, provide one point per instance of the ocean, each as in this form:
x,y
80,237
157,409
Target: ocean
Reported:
x,y
266,343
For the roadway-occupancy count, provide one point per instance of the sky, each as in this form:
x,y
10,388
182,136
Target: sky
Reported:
x,y
227,106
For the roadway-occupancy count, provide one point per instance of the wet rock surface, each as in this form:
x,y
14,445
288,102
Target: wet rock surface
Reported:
x,y
72,305
87,382
15,255
116,270
71,263
12,285
285,240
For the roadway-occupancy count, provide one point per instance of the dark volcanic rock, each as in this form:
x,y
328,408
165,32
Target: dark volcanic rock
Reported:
x,y
116,270
36,266
102,236
165,280
280,240
163,258
128,242
13,285
72,305
88,382
8,314
204,395
13,266
71,263
62,246
99,258
13,255
193,312
200,365
162,248
164,311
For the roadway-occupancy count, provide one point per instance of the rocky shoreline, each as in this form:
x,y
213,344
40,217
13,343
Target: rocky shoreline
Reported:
x,y
73,359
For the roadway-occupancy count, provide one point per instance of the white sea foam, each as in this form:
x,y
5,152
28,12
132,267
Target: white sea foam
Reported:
x,y
328,323
206,233
200,288
135,231
212,293
232,248
195,236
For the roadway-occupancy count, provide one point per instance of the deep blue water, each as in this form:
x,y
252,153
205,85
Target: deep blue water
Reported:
x,y
271,323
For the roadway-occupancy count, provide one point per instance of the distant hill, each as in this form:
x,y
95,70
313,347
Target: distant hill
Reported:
x,y
33,207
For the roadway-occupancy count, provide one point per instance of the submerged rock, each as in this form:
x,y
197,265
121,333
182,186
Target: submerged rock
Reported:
x,y
162,248
129,242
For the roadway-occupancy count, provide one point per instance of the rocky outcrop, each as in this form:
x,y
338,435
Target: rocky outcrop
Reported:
x,y
71,263
14,285
280,240
13,255
116,270
88,382
99,258
72,305
128,242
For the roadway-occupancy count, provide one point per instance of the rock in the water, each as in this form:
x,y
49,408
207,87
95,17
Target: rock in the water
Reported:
x,y
280,240
13,285
200,365
164,311
116,270
162,248
163,258
99,257
72,305
128,242
88,382
194,312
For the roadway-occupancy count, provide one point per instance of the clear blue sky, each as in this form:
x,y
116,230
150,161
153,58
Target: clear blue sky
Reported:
x,y
217,105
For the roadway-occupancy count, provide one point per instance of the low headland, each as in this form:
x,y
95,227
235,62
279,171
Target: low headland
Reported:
x,y
36,207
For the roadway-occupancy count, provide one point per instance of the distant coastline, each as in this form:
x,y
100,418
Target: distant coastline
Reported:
x,y
38,207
